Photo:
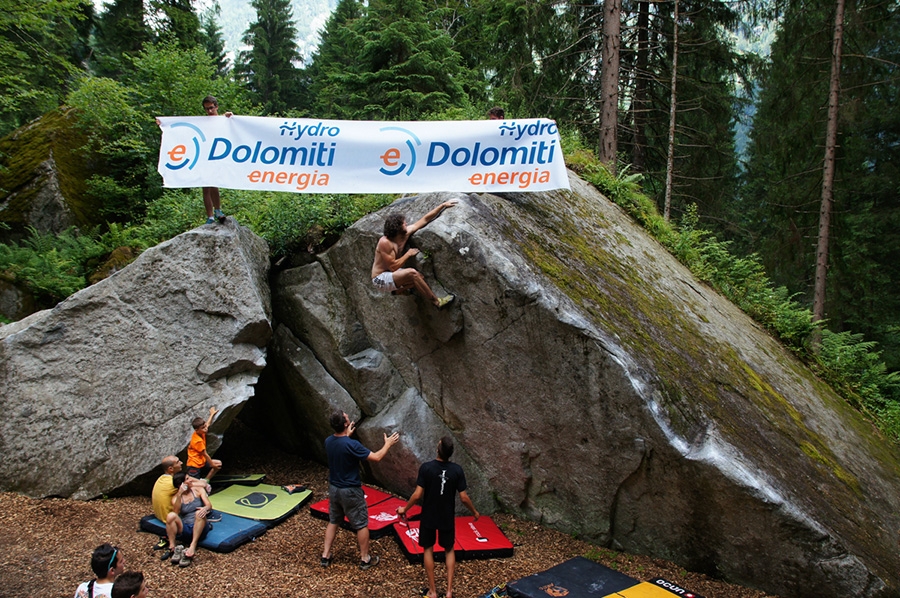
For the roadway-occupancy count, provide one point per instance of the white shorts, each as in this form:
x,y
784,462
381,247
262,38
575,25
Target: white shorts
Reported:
x,y
385,282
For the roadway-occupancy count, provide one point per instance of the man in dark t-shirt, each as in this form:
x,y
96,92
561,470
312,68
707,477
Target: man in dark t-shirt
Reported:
x,y
345,494
436,485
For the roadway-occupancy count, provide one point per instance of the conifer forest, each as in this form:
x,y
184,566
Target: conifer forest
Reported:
x,y
769,128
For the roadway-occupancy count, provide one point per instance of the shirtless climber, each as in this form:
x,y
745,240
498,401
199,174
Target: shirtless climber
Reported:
x,y
388,273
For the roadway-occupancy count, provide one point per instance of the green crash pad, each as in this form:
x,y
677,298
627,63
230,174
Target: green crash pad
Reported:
x,y
266,503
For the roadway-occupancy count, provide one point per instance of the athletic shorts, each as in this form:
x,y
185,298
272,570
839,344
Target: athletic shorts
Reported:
x,y
349,502
445,537
385,282
199,472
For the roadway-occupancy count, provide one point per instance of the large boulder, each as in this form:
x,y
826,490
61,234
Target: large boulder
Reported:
x,y
592,383
98,389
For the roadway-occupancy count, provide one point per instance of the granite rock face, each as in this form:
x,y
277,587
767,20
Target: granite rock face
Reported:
x,y
593,384
98,389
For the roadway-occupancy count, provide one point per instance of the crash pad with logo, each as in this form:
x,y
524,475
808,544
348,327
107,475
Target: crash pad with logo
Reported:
x,y
583,578
481,539
382,511
319,509
264,502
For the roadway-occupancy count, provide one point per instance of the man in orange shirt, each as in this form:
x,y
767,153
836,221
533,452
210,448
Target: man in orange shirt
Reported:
x,y
199,463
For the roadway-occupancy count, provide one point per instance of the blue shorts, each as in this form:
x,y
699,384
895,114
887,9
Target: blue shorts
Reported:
x,y
349,502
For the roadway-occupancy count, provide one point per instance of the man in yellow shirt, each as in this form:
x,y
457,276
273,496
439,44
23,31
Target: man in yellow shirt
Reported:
x,y
163,493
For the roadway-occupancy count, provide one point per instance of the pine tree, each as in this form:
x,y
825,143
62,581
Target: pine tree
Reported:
x,y
705,166
332,64
122,30
392,64
177,21
540,58
213,40
784,179
268,68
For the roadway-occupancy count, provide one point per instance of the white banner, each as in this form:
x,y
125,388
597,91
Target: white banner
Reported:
x,y
345,156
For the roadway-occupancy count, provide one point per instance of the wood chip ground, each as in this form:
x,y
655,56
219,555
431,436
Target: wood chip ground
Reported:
x,y
45,548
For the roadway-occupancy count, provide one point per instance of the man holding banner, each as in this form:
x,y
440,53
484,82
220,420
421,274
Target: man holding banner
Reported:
x,y
388,273
211,200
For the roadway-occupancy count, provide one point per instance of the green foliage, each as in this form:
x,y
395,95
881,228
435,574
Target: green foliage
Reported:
x,y
387,63
121,32
292,222
119,118
40,45
782,191
50,266
106,112
55,266
169,80
855,368
852,366
173,213
268,67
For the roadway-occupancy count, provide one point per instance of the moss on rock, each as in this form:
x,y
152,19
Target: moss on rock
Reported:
x,y
49,147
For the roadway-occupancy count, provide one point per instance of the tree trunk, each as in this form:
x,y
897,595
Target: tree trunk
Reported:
x,y
640,103
609,83
670,161
834,94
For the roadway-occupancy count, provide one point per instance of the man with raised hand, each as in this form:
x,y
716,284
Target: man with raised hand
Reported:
x,y
345,493
388,271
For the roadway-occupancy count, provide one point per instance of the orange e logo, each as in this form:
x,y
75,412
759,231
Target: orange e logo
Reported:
x,y
391,157
177,153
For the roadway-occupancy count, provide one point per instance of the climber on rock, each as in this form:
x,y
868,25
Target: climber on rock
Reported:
x,y
388,273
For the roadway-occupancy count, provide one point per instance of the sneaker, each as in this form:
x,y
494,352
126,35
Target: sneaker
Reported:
x,y
166,555
178,554
214,516
373,560
185,561
210,220
162,544
325,561
219,215
445,301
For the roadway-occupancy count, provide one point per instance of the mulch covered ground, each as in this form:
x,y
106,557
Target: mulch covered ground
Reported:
x,y
45,549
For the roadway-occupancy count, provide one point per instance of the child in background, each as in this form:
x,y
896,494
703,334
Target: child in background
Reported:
x,y
199,463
